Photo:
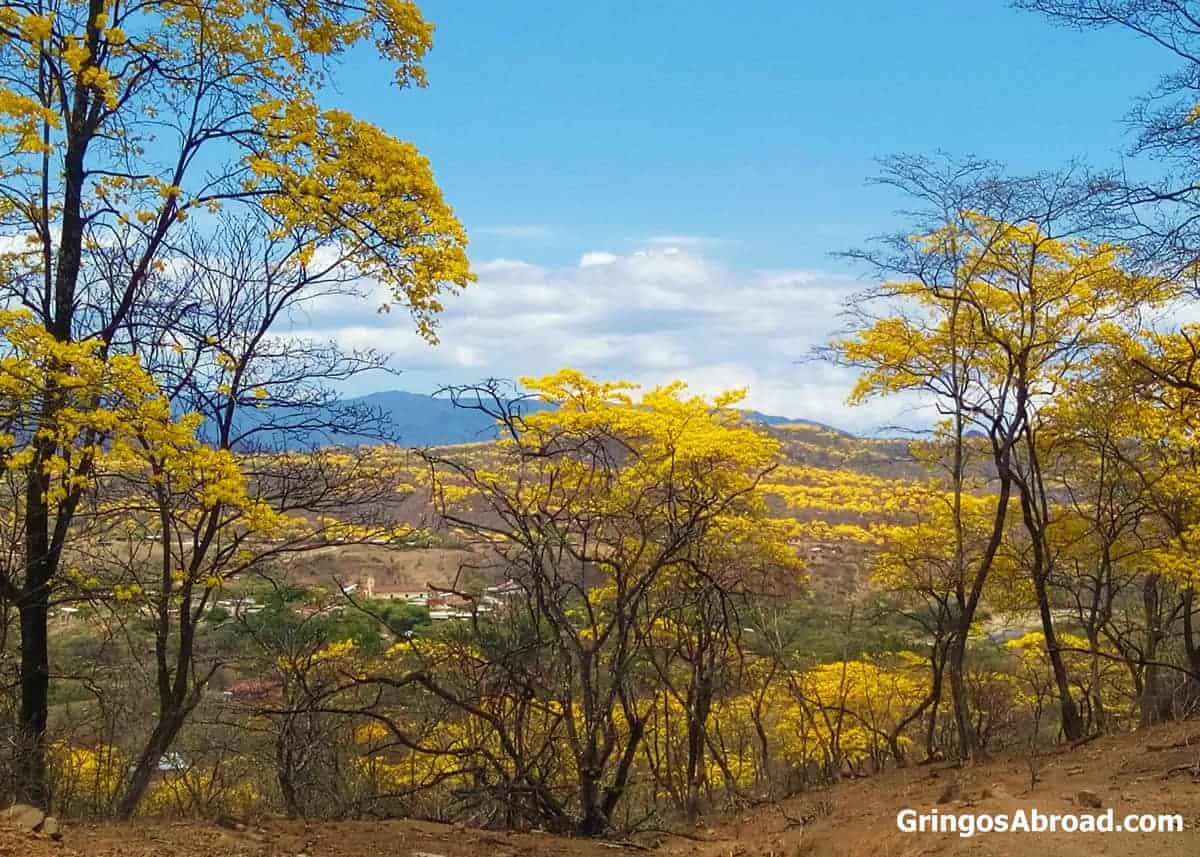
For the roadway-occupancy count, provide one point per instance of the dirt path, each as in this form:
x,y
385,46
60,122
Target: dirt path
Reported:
x,y
1128,773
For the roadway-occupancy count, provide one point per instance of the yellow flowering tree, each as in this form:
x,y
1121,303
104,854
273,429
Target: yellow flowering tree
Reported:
x,y
68,412
126,131
600,509
995,304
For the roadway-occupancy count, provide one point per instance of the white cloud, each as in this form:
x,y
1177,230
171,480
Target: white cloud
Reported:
x,y
505,267
651,316
596,257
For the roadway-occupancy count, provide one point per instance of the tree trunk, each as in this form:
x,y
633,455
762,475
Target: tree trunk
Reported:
x,y
31,784
168,726
41,554
592,821
1099,714
1072,722
285,768
1191,648
931,731
1154,701
697,727
967,745
930,701
1035,518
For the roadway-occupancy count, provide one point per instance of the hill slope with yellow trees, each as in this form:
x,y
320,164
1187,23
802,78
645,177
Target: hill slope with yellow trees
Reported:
x,y
640,610
659,611
649,609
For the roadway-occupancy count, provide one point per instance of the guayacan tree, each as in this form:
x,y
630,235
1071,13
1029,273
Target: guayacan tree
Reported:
x,y
126,131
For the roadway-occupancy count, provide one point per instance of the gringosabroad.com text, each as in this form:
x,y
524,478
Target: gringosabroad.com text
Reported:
x,y
1034,821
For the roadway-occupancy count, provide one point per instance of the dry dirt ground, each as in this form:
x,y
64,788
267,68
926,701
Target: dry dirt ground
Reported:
x,y
392,569
1153,771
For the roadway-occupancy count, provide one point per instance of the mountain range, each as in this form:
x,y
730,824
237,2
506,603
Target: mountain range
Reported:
x,y
417,419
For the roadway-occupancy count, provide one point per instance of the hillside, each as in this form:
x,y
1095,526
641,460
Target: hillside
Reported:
x,y
805,446
1152,771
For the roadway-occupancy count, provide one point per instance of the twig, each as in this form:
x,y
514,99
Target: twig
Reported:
x,y
625,843
1193,769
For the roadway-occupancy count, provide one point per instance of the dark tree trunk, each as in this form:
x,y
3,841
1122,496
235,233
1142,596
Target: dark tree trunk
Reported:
x,y
1034,517
41,553
1072,722
285,767
1154,702
697,734
168,726
1099,713
1191,648
967,745
31,785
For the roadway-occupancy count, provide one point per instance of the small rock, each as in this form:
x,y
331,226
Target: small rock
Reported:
x,y
995,790
1087,797
24,816
1072,772
950,793
50,827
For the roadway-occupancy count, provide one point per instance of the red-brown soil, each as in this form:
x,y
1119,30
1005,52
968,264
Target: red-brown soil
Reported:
x,y
1152,771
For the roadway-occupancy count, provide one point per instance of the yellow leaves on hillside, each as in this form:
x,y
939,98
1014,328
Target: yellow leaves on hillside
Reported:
x,y
845,708
929,554
1033,643
822,490
1031,672
89,778
829,714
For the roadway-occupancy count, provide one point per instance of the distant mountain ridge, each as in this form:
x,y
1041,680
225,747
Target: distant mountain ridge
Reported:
x,y
425,420
772,420
418,419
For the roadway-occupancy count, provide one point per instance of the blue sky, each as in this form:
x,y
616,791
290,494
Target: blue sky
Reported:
x,y
701,160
